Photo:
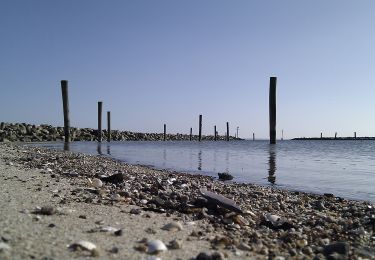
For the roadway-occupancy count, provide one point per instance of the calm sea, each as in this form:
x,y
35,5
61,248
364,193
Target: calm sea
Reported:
x,y
344,168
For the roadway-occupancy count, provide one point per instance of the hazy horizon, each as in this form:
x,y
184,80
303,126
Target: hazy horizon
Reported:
x,y
156,62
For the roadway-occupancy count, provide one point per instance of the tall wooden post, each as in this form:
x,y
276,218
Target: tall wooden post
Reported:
x,y
191,133
215,133
65,97
321,135
108,126
335,135
227,131
272,108
355,135
100,106
165,132
253,136
200,128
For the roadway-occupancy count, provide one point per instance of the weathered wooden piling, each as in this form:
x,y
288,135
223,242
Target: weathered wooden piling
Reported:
x,y
227,131
191,133
108,126
215,133
335,135
355,135
321,135
65,98
100,106
200,128
272,108
165,132
237,131
253,137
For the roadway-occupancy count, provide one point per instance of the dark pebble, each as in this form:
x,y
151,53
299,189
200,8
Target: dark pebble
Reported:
x,y
341,248
118,232
47,210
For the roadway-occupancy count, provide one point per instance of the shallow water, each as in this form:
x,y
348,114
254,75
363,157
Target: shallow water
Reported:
x,y
344,168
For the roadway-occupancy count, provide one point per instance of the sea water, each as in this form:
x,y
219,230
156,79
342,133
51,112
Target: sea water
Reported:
x,y
344,168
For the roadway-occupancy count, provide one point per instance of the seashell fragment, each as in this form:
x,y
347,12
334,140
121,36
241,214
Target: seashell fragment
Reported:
x,y
240,220
155,246
86,246
274,219
95,183
108,229
173,226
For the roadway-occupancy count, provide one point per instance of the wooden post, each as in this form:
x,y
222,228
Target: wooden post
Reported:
x,y
65,97
215,133
200,128
253,136
355,135
191,133
100,106
272,108
321,135
227,131
165,132
335,135
108,126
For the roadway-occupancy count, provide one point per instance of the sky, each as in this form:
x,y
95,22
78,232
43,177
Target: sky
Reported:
x,y
155,62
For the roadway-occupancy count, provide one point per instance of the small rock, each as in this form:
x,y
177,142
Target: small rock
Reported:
x,y
51,225
244,247
82,216
175,244
225,176
173,226
96,183
141,247
136,211
341,248
118,232
47,210
4,247
114,250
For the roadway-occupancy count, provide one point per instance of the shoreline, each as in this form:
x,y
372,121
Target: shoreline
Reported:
x,y
312,225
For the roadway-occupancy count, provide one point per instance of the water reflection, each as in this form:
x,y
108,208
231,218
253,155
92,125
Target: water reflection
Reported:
x,y
200,160
66,146
108,149
272,164
164,157
99,148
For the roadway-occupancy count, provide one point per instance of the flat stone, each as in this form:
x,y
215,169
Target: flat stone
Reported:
x,y
220,200
341,248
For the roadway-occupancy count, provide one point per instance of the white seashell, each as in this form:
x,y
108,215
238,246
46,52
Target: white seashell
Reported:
x,y
274,219
173,226
83,245
152,257
116,196
95,183
108,229
4,246
156,246
144,202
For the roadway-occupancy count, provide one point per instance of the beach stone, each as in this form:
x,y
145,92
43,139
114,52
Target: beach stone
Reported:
x,y
225,176
220,200
135,211
175,244
4,247
173,226
341,248
47,210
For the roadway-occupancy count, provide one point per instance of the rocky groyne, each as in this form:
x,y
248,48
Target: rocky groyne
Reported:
x,y
22,132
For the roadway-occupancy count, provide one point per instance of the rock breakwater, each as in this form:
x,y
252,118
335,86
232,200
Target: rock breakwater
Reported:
x,y
22,132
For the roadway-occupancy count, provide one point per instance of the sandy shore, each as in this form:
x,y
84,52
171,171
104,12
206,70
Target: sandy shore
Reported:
x,y
47,204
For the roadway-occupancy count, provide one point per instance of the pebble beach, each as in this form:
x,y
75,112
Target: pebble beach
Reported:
x,y
64,205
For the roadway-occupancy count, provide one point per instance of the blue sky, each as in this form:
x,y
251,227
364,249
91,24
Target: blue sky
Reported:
x,y
156,62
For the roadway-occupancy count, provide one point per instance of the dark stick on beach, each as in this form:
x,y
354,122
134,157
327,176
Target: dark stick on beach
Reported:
x,y
108,126
165,132
227,131
215,133
65,97
272,104
100,106
200,128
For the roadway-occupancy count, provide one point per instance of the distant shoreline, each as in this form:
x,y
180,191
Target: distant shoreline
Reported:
x,y
334,139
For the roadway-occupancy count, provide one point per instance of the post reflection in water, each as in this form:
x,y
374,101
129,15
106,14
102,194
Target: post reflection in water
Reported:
x,y
164,157
108,149
200,160
227,161
272,165
66,146
99,148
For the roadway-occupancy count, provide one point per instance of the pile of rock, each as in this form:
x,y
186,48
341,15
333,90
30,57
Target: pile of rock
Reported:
x,y
22,132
